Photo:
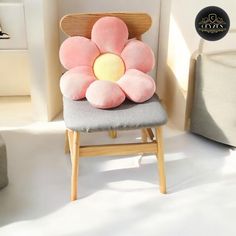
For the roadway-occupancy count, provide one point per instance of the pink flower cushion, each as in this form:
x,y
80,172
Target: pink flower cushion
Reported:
x,y
112,96
107,68
75,82
138,86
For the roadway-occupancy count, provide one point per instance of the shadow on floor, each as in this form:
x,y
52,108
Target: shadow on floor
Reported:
x,y
39,171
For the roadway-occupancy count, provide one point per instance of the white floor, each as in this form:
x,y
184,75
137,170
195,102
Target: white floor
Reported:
x,y
15,111
117,196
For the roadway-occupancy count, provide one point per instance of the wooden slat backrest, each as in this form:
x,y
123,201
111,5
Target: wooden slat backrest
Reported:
x,y
80,24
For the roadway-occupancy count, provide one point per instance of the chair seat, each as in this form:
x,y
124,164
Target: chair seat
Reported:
x,y
81,116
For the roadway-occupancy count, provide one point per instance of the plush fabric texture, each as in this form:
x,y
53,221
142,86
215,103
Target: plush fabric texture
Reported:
x,y
81,116
213,112
3,164
74,83
78,51
112,57
105,94
134,53
110,34
109,66
137,85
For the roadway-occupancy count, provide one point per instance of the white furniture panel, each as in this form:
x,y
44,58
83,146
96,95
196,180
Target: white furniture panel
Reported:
x,y
12,20
14,73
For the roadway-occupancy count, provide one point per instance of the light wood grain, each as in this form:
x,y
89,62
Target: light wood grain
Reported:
x,y
149,133
117,149
82,23
70,139
144,135
112,133
66,147
160,157
75,165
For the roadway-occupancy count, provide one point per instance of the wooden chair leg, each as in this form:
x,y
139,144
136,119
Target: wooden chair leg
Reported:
x,y
113,133
149,133
66,147
70,139
160,157
144,136
75,165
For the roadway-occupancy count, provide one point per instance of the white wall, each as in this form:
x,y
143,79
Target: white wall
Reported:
x,y
152,7
178,42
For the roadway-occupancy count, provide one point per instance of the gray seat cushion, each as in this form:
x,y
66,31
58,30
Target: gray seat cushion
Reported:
x,y
3,164
213,112
81,116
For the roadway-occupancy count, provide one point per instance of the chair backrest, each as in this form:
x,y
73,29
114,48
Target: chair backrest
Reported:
x,y
80,24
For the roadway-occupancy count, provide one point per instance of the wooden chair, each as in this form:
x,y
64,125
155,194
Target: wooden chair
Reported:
x,y
79,116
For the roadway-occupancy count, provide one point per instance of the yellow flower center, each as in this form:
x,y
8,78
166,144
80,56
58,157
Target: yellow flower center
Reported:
x,y
108,66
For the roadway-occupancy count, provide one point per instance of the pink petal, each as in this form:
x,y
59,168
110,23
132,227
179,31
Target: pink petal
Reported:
x,y
104,94
75,82
110,34
138,87
138,55
78,51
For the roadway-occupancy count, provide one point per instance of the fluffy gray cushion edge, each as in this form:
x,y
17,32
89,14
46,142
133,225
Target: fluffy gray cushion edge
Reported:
x,y
81,116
